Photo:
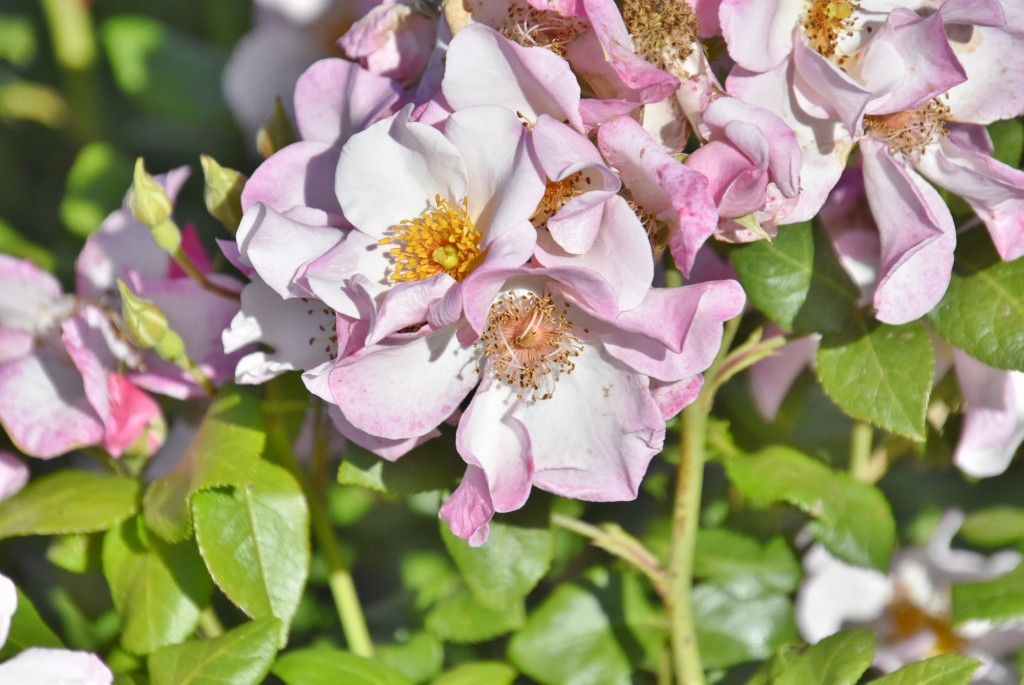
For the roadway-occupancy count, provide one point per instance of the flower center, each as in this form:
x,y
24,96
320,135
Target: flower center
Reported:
x,y
911,131
664,31
909,619
532,27
328,328
529,343
442,240
826,22
556,195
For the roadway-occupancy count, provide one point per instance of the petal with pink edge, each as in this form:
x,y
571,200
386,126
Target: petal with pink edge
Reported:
x,y
505,184
298,181
405,387
131,414
393,170
485,68
594,438
391,450
279,248
469,510
336,98
491,438
917,236
44,666
13,477
994,417
43,404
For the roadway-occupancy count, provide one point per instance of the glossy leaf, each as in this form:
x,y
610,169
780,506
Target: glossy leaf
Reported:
x,y
158,589
27,629
797,280
945,669
419,658
734,626
593,632
255,542
995,527
461,619
852,519
999,599
325,666
224,452
839,659
982,311
477,673
880,374
241,656
729,557
69,501
517,555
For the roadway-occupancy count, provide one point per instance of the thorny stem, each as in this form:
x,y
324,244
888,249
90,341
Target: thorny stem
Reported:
x,y
339,579
685,515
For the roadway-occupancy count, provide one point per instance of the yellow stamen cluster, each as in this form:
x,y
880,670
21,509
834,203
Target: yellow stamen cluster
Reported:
x,y
826,22
529,344
664,31
556,195
531,27
442,240
908,619
910,132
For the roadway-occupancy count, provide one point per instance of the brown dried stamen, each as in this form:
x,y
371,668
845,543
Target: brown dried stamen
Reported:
x,y
556,195
664,31
531,27
910,132
826,22
529,344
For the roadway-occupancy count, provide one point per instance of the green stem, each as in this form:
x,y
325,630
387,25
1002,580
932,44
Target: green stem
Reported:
x,y
339,579
860,450
74,46
209,623
685,517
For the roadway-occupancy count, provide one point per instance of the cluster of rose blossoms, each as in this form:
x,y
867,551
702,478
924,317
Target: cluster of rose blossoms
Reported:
x,y
469,230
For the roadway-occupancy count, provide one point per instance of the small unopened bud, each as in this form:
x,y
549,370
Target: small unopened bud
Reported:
x,y
147,200
144,324
171,347
223,192
276,133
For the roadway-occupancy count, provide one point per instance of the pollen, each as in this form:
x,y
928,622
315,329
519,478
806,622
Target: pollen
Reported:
x,y
556,195
529,343
664,31
826,22
531,27
910,132
441,240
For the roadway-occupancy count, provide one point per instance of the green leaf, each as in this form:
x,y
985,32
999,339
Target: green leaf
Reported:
x,y
17,40
433,465
77,553
994,527
461,619
839,659
733,626
742,562
323,666
255,542
516,556
96,183
419,658
880,374
982,311
69,501
999,599
797,280
241,656
15,244
27,629
224,452
594,632
852,519
478,673
167,72
1008,140
945,669
157,588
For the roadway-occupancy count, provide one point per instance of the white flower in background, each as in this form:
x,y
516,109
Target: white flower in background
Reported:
x,y
910,608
